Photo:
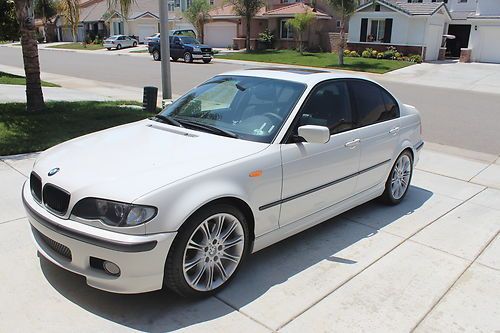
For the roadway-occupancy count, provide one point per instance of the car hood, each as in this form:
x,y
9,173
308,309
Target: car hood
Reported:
x,y
126,162
198,45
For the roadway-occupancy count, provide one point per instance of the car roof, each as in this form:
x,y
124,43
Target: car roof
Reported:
x,y
297,74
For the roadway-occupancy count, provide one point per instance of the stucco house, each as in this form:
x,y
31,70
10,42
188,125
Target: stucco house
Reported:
x,y
418,26
228,29
98,19
415,28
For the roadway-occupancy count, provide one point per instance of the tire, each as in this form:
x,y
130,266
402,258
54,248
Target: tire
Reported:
x,y
175,58
134,44
188,57
205,275
109,49
119,46
206,61
399,179
156,55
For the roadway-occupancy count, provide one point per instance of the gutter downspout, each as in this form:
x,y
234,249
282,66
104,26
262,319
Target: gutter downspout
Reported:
x,y
423,42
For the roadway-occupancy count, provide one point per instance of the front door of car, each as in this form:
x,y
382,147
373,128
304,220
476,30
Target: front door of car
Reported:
x,y
176,48
377,118
317,176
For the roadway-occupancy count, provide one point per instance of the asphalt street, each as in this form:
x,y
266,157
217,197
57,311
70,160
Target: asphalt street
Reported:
x,y
459,118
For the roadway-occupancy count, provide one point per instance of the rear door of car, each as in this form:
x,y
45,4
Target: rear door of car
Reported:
x,y
317,176
377,127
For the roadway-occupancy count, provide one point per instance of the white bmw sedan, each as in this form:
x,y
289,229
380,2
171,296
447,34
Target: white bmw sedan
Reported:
x,y
240,162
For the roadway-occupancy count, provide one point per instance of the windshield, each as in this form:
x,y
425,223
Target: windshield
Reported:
x,y
189,40
253,108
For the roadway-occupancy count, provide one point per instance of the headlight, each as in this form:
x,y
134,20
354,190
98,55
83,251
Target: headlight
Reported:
x,y
196,49
114,213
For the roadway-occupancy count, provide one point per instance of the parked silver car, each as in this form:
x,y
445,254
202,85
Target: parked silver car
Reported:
x,y
119,42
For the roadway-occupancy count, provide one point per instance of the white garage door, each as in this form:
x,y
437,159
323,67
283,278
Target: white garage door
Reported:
x,y
490,44
433,41
220,34
145,30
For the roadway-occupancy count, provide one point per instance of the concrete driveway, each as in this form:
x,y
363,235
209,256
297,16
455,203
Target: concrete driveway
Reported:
x,y
429,264
479,77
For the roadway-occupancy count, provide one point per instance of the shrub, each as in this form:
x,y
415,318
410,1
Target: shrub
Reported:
x,y
415,58
374,54
390,53
366,54
354,54
380,55
347,53
397,55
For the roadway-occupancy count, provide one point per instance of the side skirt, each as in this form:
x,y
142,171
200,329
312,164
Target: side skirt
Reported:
x,y
321,216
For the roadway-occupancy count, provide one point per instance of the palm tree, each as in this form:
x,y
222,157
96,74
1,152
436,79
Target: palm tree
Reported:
x,y
45,10
198,14
26,19
248,9
70,10
346,8
300,23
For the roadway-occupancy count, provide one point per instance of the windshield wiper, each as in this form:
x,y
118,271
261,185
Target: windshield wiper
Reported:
x,y
209,128
167,120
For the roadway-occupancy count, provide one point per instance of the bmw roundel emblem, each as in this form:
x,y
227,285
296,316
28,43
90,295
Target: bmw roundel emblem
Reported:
x,y
53,171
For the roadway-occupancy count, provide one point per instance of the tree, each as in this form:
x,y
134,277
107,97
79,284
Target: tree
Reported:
x,y
26,20
346,8
70,10
9,28
300,23
247,9
45,10
198,14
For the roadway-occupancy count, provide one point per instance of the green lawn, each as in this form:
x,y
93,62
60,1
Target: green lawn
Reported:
x,y
22,132
78,46
6,78
324,60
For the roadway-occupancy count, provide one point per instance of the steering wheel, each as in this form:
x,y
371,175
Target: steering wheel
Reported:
x,y
273,115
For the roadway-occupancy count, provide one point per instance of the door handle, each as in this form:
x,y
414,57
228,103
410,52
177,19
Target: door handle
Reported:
x,y
394,131
352,144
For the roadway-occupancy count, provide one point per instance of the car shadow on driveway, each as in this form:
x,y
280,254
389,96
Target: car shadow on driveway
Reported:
x,y
273,266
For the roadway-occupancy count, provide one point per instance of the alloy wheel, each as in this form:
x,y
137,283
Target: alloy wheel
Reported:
x,y
213,252
400,178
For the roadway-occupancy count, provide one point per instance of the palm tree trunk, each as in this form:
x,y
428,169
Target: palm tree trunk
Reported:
x,y
247,42
34,95
342,42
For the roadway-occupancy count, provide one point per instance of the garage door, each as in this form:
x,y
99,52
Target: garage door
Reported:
x,y
220,34
433,42
490,44
145,30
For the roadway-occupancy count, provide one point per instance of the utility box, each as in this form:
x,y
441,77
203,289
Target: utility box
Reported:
x,y
149,99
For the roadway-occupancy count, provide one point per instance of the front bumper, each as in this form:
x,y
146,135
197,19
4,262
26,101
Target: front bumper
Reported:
x,y
200,55
141,258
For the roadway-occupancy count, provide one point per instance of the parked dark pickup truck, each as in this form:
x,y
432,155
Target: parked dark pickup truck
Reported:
x,y
185,47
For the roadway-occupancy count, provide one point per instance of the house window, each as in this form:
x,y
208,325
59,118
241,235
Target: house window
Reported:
x,y
117,28
338,24
211,2
377,30
377,8
286,32
177,3
462,1
171,6
414,1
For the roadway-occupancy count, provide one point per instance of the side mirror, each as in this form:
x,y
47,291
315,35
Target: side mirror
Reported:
x,y
314,133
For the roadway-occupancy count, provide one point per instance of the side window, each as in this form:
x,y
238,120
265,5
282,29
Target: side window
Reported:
x,y
177,40
370,104
391,106
328,105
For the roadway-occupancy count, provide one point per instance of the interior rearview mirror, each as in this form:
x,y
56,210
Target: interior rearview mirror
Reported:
x,y
314,133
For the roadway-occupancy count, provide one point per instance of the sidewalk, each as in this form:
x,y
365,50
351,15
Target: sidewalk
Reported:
x,y
428,264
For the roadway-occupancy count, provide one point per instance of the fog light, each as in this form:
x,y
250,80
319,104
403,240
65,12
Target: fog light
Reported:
x,y
111,268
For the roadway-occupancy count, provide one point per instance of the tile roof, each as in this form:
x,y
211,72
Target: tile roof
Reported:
x,y
414,8
291,10
284,11
95,10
